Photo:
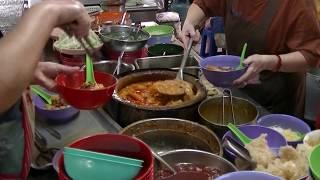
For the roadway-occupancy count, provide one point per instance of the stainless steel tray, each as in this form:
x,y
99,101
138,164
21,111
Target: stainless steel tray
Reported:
x,y
172,62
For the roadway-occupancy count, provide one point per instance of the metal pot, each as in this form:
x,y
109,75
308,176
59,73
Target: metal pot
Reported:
x,y
123,45
167,134
110,66
211,113
198,158
125,112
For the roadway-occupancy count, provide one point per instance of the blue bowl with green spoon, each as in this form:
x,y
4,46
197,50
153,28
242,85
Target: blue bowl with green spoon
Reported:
x,y
45,101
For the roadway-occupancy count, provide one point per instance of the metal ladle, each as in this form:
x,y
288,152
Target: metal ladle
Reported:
x,y
117,70
159,158
175,87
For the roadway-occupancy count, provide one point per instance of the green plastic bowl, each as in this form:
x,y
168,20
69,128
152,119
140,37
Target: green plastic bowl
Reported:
x,y
314,162
159,30
104,156
168,49
81,167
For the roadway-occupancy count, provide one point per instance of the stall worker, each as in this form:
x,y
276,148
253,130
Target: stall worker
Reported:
x,y
283,38
20,51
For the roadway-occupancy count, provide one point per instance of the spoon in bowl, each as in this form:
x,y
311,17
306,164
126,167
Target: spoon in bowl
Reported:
x,y
244,49
44,95
90,80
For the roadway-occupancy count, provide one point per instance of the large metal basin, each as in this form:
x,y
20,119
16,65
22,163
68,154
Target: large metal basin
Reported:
x,y
123,45
211,113
166,134
172,62
198,158
126,113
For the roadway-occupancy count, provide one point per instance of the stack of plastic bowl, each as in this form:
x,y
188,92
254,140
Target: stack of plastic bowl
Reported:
x,y
71,60
119,145
82,165
69,88
286,122
220,78
275,139
165,50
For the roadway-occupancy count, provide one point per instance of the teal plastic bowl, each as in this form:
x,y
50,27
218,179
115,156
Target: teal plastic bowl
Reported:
x,y
80,166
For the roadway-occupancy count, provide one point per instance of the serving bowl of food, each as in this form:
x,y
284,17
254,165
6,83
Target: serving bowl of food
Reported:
x,y
222,70
167,134
124,38
73,86
213,116
193,164
312,138
58,112
292,128
71,45
114,144
136,97
245,175
165,50
274,139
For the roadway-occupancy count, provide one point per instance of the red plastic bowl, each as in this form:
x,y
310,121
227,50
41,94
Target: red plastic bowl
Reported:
x,y
128,57
69,89
116,144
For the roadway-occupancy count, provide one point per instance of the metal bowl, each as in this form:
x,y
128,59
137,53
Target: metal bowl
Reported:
x,y
123,45
166,134
126,113
197,157
211,113
110,66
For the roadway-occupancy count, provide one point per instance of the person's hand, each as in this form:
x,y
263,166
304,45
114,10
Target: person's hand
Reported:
x,y
46,72
256,63
70,15
188,31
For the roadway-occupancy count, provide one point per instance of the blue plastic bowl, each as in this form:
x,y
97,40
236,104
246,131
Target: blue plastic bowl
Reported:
x,y
81,167
218,78
56,116
274,138
285,122
246,175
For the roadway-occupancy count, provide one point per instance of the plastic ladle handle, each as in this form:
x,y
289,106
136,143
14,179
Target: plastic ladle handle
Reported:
x,y
89,71
244,50
47,97
240,135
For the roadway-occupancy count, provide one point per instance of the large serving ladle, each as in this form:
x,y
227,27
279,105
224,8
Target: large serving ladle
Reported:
x,y
177,86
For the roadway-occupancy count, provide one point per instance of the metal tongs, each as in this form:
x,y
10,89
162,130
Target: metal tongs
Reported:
x,y
227,93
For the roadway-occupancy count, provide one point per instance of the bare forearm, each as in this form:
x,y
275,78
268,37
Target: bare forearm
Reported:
x,y
20,52
291,62
195,15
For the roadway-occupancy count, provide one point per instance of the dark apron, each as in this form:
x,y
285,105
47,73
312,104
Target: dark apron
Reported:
x,y
275,92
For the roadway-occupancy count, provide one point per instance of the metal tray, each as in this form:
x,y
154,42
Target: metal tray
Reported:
x,y
172,62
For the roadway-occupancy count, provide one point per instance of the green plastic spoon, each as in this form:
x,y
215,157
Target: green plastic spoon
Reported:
x,y
47,97
240,135
89,71
243,53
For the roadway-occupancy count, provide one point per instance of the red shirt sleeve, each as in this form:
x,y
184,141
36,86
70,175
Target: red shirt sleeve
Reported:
x,y
212,7
305,32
